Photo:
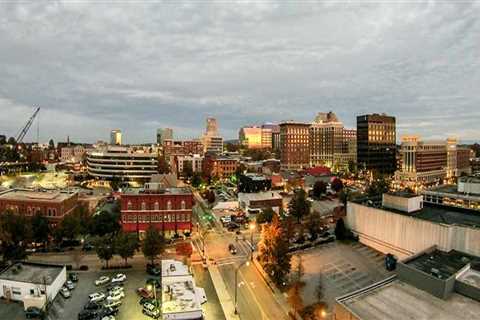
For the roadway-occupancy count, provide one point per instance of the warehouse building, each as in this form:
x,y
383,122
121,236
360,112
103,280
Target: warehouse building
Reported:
x,y
32,283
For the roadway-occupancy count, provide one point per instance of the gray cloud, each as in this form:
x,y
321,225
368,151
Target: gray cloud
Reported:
x,y
94,66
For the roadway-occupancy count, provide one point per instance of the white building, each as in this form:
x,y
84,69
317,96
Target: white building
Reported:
x,y
181,299
253,203
31,283
116,137
196,161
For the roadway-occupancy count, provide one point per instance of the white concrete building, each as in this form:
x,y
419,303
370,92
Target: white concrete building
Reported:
x,y
181,299
196,161
31,283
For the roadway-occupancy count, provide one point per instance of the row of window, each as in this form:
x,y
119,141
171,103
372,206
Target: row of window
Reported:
x,y
51,212
156,206
143,218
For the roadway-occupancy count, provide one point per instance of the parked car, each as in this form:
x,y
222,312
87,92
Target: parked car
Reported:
x,y
88,315
88,247
143,301
115,296
97,296
232,248
232,226
102,280
108,312
70,285
144,293
153,282
92,306
120,277
115,289
65,292
151,311
34,313
111,317
73,277
112,304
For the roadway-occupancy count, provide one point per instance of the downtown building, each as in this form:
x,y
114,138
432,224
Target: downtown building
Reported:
x,y
221,167
212,141
331,144
169,210
254,137
116,137
294,145
164,134
124,163
376,143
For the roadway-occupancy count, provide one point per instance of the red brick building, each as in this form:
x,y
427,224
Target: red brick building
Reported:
x,y
53,205
219,166
182,147
169,210
294,145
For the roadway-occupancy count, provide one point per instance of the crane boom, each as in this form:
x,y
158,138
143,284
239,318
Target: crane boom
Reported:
x,y
25,129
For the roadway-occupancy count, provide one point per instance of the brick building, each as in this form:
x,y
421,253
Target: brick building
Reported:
x,y
294,145
182,147
53,205
219,166
167,209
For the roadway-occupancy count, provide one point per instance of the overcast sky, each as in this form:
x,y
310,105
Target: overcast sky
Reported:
x,y
94,67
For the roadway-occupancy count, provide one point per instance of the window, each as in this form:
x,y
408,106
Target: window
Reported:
x,y
16,291
183,204
144,206
156,206
129,205
169,205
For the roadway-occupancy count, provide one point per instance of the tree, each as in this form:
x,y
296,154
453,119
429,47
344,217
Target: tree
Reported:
x,y
69,227
378,187
266,215
352,167
125,245
153,244
196,180
14,234
313,223
40,229
163,166
340,230
337,185
210,196
294,298
105,222
84,218
319,188
319,290
187,169
299,206
115,182
104,247
51,144
12,141
273,252
298,272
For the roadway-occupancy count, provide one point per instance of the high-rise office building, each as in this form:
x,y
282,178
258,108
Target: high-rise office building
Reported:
x,y
271,135
164,134
116,137
253,137
212,141
376,147
294,145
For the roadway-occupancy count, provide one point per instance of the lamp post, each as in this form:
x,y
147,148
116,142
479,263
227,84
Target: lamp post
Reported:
x,y
153,287
236,281
252,229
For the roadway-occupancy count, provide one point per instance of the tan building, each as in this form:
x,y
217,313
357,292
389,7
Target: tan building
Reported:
x,y
255,137
212,141
294,145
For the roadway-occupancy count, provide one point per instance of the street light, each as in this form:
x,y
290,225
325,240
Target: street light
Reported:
x,y
252,229
153,287
246,262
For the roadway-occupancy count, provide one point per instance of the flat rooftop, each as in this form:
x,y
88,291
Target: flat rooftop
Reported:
x,y
258,196
444,263
403,194
31,273
29,195
470,277
174,268
396,300
180,297
451,189
434,213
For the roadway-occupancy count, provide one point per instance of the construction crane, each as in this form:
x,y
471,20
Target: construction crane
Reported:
x,y
21,134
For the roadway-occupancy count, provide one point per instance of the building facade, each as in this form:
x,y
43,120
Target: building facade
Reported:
x,y
195,161
212,141
123,163
376,143
53,205
182,147
169,210
164,134
219,166
294,145
251,137
116,137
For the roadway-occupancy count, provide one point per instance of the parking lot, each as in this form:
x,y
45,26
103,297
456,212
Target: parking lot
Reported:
x,y
69,308
343,269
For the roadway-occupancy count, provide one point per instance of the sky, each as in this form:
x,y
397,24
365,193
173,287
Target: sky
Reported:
x,y
97,66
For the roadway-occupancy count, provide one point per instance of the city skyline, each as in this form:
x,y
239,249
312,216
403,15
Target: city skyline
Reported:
x,y
148,72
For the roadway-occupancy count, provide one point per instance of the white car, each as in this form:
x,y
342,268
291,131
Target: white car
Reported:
x,y
115,296
102,280
65,292
108,318
120,277
112,304
115,289
96,297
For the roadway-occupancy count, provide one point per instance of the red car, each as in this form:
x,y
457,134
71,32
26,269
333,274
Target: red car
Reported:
x,y
144,293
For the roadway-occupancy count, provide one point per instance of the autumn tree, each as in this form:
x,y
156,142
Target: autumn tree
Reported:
x,y
273,249
299,205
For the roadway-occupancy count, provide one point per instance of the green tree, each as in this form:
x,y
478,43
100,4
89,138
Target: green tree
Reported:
x,y
187,169
51,144
153,244
196,180
69,227
266,215
105,249
12,141
299,206
15,233
378,187
105,222
273,252
313,222
319,188
84,218
40,229
125,245
337,185
115,182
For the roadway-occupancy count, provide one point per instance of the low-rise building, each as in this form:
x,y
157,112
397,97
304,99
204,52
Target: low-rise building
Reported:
x,y
255,202
219,166
167,209
53,205
32,283
181,298
194,160
466,194
251,182
432,284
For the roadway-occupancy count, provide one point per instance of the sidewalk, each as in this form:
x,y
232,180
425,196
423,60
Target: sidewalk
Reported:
x,y
222,293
